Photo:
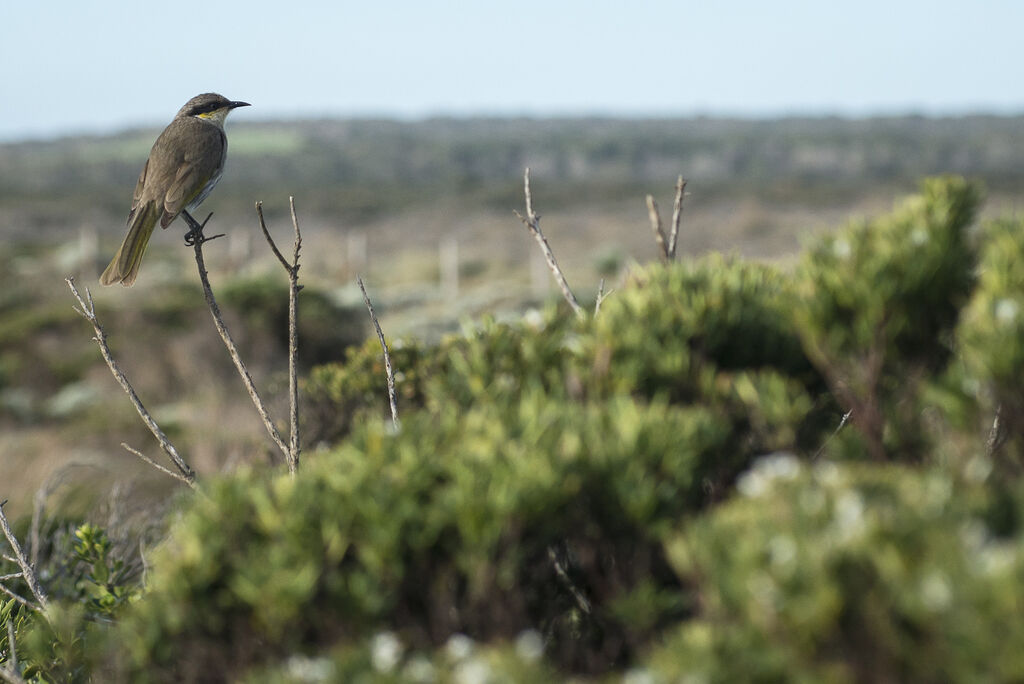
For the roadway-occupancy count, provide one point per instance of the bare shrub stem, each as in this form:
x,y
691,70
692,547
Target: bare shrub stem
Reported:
x,y
667,243
532,223
292,268
677,215
387,355
196,239
27,572
87,310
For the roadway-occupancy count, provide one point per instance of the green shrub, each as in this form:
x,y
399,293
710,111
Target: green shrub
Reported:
x,y
88,587
712,333
992,331
877,306
852,573
456,525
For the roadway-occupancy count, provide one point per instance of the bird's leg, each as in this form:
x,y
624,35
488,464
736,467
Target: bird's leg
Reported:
x,y
195,232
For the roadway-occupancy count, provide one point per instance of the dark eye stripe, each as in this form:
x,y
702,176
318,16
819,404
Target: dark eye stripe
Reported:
x,y
205,109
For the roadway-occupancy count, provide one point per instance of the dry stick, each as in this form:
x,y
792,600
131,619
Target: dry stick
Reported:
x,y
601,296
197,244
842,424
156,465
88,311
995,433
677,215
23,601
387,355
292,269
10,671
659,233
532,223
27,573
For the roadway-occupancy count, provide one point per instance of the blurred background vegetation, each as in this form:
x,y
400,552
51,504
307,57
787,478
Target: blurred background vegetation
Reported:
x,y
423,210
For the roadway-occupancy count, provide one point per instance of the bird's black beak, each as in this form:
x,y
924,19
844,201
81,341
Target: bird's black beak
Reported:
x,y
233,105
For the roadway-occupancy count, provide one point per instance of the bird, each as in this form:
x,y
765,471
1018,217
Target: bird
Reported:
x,y
184,165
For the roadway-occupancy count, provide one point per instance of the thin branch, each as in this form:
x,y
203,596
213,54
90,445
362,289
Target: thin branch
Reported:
x,y
12,649
27,573
87,310
294,446
10,671
842,424
196,239
580,599
996,434
532,223
677,215
147,459
387,355
11,677
23,601
13,575
601,296
659,233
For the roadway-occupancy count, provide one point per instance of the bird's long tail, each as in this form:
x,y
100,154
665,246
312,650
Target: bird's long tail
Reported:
x,y
124,267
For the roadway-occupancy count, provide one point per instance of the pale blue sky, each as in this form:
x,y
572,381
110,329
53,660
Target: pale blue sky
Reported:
x,y
97,66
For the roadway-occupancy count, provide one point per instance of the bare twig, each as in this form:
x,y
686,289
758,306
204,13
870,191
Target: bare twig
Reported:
x,y
88,311
292,269
567,582
27,572
12,649
23,601
601,296
10,671
13,575
659,233
196,239
11,676
842,424
996,434
387,355
532,223
677,215
667,243
147,459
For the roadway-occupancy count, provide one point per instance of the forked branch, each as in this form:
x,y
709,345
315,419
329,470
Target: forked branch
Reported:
x,y
292,268
667,243
196,239
28,573
87,310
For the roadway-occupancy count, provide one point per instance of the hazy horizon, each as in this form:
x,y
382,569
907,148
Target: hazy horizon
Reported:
x,y
108,66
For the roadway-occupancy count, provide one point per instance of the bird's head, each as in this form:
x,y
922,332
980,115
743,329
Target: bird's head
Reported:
x,y
210,107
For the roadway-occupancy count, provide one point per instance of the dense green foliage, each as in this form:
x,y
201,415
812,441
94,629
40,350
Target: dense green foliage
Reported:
x,y
656,490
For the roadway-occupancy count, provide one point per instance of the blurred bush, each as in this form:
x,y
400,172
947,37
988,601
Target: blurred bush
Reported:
x,y
573,496
852,573
877,305
458,524
992,334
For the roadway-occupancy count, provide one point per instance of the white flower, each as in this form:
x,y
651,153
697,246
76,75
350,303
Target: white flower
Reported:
x,y
530,645
385,651
841,248
849,515
473,671
303,669
1006,311
459,646
935,591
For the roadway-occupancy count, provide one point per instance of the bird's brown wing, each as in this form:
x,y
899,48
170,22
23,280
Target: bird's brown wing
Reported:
x,y
137,197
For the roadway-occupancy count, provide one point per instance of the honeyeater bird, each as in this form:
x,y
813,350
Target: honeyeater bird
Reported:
x,y
185,163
